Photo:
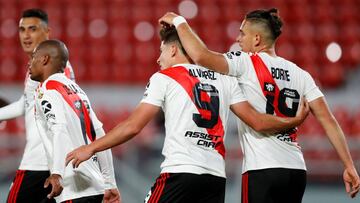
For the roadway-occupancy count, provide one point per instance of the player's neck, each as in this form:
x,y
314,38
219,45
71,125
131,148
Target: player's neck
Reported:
x,y
268,49
181,60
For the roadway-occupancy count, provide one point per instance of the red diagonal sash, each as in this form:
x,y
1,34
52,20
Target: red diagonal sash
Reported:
x,y
265,78
181,75
77,105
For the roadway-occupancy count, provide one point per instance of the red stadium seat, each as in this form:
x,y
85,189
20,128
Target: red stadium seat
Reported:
x,y
97,11
122,53
286,50
8,11
343,117
142,13
233,13
326,33
120,33
209,13
323,13
119,11
355,127
146,52
300,33
332,75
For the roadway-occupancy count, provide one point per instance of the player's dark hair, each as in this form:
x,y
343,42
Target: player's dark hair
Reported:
x,y
270,18
57,51
169,34
36,13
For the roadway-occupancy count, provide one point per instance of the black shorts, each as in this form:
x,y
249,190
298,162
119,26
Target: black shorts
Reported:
x,y
276,185
187,187
89,199
28,187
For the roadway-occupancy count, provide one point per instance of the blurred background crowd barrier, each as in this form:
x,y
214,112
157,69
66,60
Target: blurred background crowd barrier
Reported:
x,y
113,48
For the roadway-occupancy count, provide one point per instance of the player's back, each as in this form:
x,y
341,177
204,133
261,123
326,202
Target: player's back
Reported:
x,y
196,104
273,85
64,103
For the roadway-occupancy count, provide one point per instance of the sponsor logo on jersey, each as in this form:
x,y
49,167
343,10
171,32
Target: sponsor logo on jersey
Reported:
x,y
203,139
232,53
146,88
46,107
288,136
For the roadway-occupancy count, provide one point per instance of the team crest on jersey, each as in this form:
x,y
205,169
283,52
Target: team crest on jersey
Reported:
x,y
77,104
269,87
40,94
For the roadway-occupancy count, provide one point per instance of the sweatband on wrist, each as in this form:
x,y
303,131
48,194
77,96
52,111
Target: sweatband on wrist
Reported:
x,y
178,20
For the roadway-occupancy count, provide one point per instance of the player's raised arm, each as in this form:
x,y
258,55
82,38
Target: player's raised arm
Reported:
x,y
118,135
266,123
336,136
193,45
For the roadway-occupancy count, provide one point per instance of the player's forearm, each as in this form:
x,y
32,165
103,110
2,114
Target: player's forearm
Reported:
x,y
273,124
118,135
13,110
337,139
193,45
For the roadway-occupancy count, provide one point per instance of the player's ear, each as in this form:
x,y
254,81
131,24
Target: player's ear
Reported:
x,y
257,39
45,59
174,49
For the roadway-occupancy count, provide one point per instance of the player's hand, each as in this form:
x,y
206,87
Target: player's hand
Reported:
x,y
112,196
167,19
56,187
352,181
303,111
79,155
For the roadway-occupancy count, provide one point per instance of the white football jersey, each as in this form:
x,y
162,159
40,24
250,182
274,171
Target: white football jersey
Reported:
x,y
275,86
196,104
63,121
34,158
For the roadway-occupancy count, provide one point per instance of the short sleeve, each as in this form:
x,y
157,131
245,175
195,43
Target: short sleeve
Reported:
x,y
51,105
237,95
155,90
312,91
236,63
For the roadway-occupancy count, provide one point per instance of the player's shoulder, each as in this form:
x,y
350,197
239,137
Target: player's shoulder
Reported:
x,y
55,81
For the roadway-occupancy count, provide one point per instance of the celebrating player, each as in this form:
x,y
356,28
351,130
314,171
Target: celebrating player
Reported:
x,y
273,167
65,120
196,104
33,170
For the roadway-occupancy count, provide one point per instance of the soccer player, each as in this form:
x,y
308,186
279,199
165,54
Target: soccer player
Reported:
x,y
196,105
33,170
273,166
65,120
